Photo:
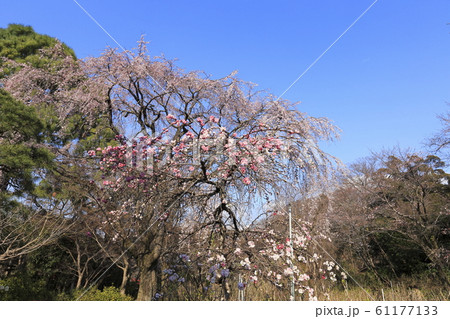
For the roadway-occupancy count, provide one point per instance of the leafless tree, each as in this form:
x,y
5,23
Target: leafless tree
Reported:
x,y
440,142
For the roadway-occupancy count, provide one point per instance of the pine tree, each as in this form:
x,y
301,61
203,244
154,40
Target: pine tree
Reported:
x,y
22,44
21,132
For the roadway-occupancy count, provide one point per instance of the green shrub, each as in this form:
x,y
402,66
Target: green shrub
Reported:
x,y
95,294
23,288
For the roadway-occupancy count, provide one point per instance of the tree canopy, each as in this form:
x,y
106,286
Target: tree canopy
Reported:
x,y
22,44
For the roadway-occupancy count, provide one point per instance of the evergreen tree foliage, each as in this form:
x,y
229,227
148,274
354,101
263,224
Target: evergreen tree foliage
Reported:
x,y
21,133
22,44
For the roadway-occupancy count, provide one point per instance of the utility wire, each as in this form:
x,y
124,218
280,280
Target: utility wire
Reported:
x,y
117,42
101,27
327,49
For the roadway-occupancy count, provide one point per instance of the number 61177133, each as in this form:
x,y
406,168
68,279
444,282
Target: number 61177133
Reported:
x,y
406,310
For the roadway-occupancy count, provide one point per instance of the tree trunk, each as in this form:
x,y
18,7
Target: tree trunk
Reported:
x,y
79,280
148,263
80,271
125,277
226,289
150,281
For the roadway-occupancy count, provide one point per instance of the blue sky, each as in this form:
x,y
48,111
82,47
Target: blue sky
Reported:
x,y
383,83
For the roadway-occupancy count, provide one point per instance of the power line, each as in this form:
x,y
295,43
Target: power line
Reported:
x,y
98,23
117,42
327,49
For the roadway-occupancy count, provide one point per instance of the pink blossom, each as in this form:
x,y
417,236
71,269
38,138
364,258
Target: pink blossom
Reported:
x,y
213,119
259,159
303,277
204,133
201,121
189,135
246,181
244,161
253,279
288,272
